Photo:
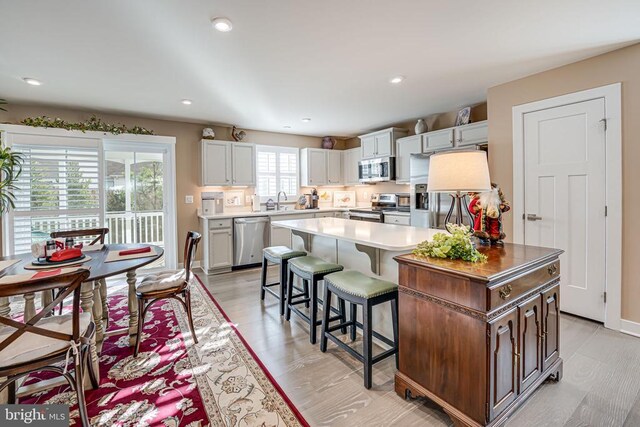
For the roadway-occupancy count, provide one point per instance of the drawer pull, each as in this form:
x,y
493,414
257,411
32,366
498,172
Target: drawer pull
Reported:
x,y
505,292
552,269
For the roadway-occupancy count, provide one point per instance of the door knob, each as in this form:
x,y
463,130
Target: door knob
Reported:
x,y
533,217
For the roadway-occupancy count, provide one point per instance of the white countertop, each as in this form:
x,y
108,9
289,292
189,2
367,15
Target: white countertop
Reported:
x,y
244,214
389,237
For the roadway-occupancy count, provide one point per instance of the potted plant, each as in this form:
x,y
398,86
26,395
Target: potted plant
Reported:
x,y
10,169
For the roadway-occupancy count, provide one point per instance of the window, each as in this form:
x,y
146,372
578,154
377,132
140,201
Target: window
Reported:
x,y
59,189
277,170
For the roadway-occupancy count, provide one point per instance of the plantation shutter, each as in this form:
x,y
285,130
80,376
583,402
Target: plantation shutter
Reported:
x,y
59,188
276,170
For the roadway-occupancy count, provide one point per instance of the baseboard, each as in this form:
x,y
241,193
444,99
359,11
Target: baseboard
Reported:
x,y
630,328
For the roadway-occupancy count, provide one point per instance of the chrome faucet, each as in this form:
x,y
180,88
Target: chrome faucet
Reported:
x,y
278,202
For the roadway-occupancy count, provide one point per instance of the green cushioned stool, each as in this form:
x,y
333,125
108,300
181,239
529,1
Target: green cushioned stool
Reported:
x,y
368,292
311,270
277,255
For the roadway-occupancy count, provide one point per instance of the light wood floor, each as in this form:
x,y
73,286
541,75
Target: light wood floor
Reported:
x,y
600,387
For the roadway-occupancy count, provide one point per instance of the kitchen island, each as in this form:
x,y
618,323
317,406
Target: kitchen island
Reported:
x,y
367,247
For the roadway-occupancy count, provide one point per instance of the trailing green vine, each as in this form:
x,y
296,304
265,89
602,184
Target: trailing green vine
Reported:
x,y
456,245
92,124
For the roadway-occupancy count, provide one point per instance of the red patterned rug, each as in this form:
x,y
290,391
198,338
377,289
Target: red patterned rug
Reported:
x,y
218,382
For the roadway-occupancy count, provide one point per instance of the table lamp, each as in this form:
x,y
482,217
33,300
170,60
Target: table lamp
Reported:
x,y
458,172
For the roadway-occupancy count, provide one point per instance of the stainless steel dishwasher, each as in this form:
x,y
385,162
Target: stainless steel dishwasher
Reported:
x,y
251,236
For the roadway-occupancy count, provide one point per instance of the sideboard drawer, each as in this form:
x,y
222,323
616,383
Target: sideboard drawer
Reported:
x,y
507,292
220,223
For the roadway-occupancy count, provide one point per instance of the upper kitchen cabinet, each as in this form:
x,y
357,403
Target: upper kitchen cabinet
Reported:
x,y
471,134
227,163
381,143
350,159
437,140
334,167
216,163
405,147
320,167
244,164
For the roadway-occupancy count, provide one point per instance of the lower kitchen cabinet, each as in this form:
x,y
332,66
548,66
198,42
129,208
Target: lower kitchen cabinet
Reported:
x,y
217,245
397,219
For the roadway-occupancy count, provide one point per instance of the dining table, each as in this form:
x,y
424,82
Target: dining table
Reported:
x,y
93,295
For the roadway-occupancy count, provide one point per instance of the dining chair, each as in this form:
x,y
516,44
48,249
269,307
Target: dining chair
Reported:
x,y
172,284
92,236
42,342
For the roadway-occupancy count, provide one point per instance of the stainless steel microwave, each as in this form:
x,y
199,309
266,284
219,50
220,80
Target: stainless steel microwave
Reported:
x,y
377,170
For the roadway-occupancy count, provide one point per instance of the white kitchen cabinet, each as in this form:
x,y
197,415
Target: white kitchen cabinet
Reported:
x,y
280,236
226,163
216,163
437,140
244,164
334,167
320,167
397,219
313,166
217,245
325,214
368,146
381,143
350,160
405,147
471,134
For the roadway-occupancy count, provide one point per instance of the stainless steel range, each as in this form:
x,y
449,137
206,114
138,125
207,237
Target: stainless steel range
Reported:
x,y
379,203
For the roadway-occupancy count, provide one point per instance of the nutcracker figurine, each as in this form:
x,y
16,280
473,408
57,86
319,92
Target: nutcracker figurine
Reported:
x,y
487,209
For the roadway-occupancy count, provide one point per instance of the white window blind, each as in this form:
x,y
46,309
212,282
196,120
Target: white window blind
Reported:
x,y
277,170
59,189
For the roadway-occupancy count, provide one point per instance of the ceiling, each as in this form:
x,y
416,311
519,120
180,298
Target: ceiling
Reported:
x,y
285,60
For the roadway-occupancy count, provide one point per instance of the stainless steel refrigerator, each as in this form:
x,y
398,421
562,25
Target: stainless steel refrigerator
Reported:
x,y
428,210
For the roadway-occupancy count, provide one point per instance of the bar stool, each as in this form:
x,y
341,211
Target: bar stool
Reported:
x,y
277,255
368,292
311,270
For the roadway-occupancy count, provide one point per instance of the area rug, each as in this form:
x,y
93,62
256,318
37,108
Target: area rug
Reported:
x,y
218,382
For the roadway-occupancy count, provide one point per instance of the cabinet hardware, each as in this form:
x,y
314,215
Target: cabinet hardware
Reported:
x,y
552,269
505,292
533,217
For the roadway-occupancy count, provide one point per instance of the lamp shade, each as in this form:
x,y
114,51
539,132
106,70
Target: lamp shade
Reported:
x,y
464,171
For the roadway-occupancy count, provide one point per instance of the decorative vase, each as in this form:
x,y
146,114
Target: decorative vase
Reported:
x,y
328,142
421,127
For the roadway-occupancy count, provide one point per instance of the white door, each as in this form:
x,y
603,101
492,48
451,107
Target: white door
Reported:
x,y
317,167
244,170
565,182
139,206
405,147
221,244
334,167
384,145
368,145
216,164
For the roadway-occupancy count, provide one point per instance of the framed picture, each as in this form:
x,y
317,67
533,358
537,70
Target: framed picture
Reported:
x,y
463,116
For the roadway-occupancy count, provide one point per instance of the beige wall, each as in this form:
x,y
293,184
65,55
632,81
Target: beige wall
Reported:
x,y
618,66
187,148
434,122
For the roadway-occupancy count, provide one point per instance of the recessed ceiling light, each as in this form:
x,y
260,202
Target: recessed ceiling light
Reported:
x,y
32,81
186,102
222,24
306,120
396,80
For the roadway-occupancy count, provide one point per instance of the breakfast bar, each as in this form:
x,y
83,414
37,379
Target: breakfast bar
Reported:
x,y
367,247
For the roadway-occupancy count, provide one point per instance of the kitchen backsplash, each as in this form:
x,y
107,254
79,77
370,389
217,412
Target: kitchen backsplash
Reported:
x,y
363,194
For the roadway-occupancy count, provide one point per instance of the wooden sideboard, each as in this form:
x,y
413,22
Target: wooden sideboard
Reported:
x,y
478,339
